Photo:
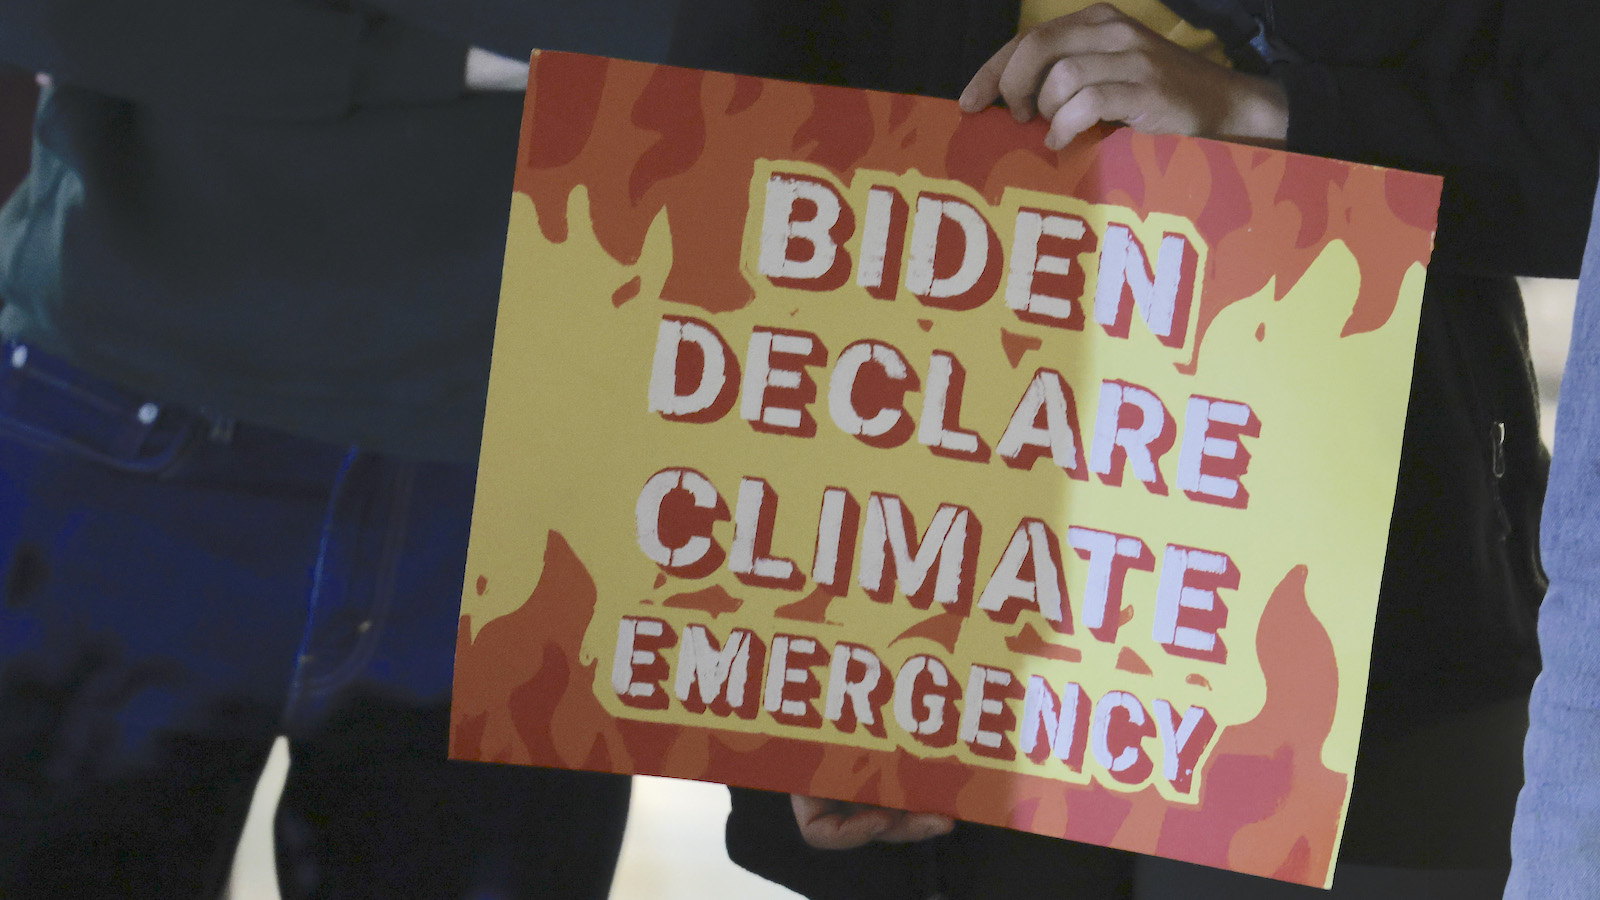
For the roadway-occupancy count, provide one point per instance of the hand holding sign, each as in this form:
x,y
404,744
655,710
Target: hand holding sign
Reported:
x,y
836,825
1099,65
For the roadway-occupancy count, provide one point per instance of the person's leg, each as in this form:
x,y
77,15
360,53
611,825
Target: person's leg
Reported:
x,y
1429,819
979,862
1163,878
372,807
144,640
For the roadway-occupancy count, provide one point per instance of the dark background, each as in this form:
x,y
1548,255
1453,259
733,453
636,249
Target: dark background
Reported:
x,y
17,93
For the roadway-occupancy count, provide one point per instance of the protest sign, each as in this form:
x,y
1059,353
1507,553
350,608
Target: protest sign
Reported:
x,y
839,443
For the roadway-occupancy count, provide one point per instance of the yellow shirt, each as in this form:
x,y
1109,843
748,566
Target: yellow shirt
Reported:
x,y
1153,13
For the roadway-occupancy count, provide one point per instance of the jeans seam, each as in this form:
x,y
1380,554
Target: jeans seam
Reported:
x,y
299,683
67,387
383,583
131,436
50,440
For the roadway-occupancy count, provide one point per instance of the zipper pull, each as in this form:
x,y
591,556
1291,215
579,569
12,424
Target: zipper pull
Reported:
x,y
1498,455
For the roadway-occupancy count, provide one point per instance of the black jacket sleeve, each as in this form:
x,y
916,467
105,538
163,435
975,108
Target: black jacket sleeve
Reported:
x,y
276,59
632,29
307,59
1501,98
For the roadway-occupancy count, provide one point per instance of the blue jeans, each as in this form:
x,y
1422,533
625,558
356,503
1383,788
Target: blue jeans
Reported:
x,y
1555,841
177,591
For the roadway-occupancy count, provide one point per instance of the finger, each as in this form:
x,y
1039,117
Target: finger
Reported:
x,y
831,825
1114,102
1071,75
1096,13
984,88
911,827
1039,50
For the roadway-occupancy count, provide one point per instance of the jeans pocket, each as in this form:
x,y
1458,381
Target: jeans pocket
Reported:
x,y
47,404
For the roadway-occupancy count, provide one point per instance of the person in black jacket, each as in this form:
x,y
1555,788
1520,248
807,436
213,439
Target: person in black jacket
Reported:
x,y
1491,95
249,290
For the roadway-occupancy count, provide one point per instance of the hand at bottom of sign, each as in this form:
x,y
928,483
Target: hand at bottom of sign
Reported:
x,y
837,825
